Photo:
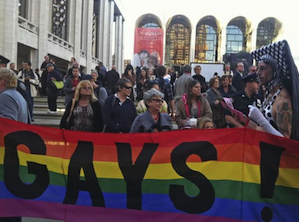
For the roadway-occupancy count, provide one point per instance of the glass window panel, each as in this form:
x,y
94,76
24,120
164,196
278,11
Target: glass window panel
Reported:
x,y
206,41
177,40
239,37
266,33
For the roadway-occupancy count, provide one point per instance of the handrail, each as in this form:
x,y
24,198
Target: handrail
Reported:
x,y
61,42
82,53
95,60
25,24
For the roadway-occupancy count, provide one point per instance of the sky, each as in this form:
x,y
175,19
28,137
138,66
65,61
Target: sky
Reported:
x,y
256,11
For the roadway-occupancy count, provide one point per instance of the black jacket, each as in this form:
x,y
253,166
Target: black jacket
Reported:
x,y
97,116
111,78
237,82
119,117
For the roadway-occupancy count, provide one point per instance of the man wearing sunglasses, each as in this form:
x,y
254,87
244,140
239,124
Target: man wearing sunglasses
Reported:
x,y
119,110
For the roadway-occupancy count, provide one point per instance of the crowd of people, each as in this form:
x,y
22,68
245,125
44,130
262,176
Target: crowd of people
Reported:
x,y
150,99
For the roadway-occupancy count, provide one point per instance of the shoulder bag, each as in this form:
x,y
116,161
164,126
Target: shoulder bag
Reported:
x,y
58,84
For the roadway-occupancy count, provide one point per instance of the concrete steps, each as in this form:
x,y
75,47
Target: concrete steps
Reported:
x,y
42,117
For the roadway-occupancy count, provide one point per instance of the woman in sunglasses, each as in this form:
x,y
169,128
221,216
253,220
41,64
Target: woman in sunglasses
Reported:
x,y
152,120
119,110
84,112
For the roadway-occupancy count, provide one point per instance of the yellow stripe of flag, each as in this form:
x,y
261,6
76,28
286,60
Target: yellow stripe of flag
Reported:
x,y
213,170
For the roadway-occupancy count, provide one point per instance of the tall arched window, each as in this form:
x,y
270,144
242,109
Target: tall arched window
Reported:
x,y
267,32
148,41
178,41
206,42
236,38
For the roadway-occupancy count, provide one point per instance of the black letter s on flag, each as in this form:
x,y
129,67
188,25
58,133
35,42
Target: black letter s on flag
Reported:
x,y
205,199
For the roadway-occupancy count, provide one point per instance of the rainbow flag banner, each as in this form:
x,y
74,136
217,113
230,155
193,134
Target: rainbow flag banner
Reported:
x,y
187,175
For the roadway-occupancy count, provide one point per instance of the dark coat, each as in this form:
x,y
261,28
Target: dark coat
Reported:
x,y
111,79
237,82
56,75
203,83
145,123
119,117
231,91
97,116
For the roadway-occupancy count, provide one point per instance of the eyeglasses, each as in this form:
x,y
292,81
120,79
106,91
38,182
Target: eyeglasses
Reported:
x,y
262,68
86,88
157,100
128,87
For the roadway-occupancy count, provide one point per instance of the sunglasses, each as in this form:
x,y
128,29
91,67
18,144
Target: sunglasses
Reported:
x,y
157,100
128,87
86,88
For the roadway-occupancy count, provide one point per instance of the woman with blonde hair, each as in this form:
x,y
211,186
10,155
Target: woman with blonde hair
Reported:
x,y
206,123
84,112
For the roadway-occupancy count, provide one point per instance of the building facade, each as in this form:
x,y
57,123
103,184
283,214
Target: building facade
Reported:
x,y
205,41
88,30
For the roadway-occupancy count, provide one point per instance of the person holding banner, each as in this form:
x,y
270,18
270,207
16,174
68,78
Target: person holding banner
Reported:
x,y
192,107
243,98
119,110
84,112
152,120
279,114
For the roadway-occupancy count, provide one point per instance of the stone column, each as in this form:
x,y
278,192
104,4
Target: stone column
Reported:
x,y
192,45
89,12
111,20
106,33
253,38
119,44
116,42
9,29
43,29
103,31
223,43
71,21
100,36
77,29
34,8
122,46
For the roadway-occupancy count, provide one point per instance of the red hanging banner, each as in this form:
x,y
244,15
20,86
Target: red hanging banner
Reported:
x,y
148,47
